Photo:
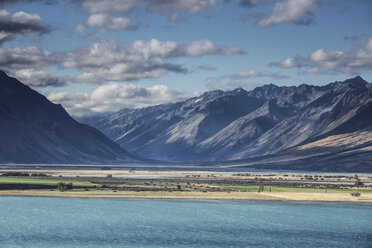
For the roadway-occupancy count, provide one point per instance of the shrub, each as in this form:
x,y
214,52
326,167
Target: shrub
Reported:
x,y
15,174
39,175
355,194
61,186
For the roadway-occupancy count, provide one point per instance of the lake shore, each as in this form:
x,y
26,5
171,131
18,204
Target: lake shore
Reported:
x,y
282,196
276,186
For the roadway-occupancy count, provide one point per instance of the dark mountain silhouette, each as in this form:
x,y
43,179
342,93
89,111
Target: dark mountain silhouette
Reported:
x,y
34,130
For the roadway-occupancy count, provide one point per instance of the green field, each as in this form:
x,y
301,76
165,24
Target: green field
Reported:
x,y
291,189
21,180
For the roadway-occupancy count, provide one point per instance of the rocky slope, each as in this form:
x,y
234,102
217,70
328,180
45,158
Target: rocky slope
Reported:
x,y
236,125
34,130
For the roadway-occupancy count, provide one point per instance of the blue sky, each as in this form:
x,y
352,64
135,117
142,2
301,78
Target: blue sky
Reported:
x,y
100,56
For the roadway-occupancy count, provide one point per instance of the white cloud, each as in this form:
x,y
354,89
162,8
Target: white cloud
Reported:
x,y
38,79
109,61
295,11
334,61
29,57
108,6
199,48
20,23
6,36
191,6
287,63
100,10
125,6
113,97
104,20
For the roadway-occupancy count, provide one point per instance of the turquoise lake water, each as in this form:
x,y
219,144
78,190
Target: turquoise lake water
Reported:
x,y
62,222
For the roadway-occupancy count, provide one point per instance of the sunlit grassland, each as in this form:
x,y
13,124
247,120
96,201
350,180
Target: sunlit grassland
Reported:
x,y
292,189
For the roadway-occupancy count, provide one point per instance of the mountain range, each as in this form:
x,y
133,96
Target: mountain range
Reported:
x,y
301,127
326,126
34,130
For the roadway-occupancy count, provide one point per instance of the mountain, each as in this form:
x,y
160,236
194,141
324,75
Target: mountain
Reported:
x,y
34,130
238,124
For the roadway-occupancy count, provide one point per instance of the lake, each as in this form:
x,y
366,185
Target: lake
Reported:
x,y
66,222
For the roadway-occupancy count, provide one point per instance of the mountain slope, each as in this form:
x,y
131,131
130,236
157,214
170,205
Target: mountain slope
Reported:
x,y
235,125
34,130
164,132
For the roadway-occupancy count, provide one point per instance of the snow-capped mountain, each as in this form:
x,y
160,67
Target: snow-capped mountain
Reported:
x,y
34,130
239,124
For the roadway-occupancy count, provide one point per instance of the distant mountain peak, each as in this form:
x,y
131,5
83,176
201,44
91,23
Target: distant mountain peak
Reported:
x,y
355,80
238,90
239,124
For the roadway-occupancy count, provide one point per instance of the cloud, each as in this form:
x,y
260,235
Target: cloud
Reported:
x,y
4,3
108,6
104,20
113,97
334,61
289,63
206,47
109,61
20,23
254,74
38,79
29,57
199,48
191,7
253,3
99,10
295,11
207,68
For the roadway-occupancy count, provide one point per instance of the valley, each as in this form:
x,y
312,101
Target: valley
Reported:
x,y
270,127
188,185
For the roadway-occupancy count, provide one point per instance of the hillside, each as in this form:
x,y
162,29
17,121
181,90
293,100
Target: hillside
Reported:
x,y
34,130
239,124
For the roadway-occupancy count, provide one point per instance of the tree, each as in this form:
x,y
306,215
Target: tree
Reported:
x,y
260,186
61,186
358,182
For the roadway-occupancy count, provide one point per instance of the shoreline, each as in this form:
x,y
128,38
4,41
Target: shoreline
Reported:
x,y
246,196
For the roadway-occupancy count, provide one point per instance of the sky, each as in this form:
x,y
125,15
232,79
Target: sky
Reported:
x,y
95,56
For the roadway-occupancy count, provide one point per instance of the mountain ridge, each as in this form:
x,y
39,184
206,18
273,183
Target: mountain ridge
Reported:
x,y
239,124
34,130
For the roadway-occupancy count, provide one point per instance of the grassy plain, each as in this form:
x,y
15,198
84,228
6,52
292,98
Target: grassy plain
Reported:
x,y
189,185
275,189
